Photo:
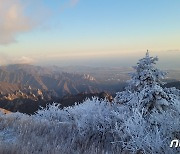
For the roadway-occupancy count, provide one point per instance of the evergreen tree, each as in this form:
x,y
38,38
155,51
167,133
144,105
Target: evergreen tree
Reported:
x,y
146,74
145,87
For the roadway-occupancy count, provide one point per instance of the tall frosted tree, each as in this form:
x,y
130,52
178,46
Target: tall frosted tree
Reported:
x,y
146,75
145,87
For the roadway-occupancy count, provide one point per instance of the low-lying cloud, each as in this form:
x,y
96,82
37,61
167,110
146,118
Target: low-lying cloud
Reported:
x,y
24,60
6,59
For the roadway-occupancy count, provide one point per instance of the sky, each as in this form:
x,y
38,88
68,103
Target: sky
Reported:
x,y
89,32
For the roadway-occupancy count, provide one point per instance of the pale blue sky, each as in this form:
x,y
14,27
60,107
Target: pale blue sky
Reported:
x,y
90,32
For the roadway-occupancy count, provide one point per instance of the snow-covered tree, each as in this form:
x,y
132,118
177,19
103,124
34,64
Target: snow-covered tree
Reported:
x,y
145,87
146,74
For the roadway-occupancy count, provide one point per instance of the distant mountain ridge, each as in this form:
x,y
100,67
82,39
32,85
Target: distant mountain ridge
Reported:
x,y
61,83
